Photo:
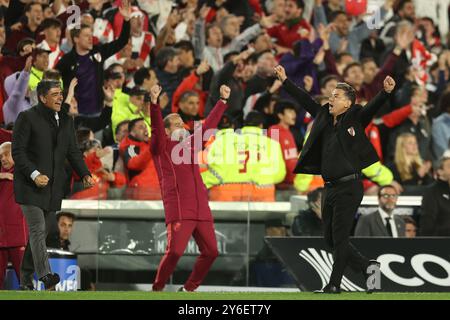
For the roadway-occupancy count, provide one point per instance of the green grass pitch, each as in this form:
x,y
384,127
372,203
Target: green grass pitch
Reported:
x,y
140,295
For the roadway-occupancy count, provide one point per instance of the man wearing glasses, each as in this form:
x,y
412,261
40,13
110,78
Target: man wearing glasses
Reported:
x,y
383,222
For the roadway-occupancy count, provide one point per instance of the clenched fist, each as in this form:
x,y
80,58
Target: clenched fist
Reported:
x,y
389,84
224,92
155,91
41,181
280,73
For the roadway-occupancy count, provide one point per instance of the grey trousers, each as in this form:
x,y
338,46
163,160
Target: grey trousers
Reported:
x,y
35,257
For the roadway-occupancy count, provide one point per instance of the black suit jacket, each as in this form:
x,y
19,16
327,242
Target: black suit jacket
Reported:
x,y
39,144
357,148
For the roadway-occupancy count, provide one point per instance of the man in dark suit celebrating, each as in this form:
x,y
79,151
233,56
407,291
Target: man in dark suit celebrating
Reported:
x,y
382,222
338,149
43,138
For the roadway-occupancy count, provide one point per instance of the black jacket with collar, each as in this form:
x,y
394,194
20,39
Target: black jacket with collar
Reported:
x,y
99,53
39,144
356,147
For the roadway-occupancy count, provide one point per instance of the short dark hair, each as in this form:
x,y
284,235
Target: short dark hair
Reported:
x,y
50,23
22,43
299,3
349,66
75,32
133,123
399,5
184,45
283,105
164,56
410,220
121,123
339,56
313,195
140,75
44,86
52,74
69,215
336,13
254,119
28,6
366,60
385,187
209,27
82,134
349,92
444,102
327,79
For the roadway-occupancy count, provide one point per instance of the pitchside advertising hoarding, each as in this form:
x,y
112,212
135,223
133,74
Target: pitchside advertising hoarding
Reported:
x,y
420,264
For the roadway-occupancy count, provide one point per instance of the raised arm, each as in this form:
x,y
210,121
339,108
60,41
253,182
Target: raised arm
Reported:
x,y
371,108
301,96
108,49
216,114
158,138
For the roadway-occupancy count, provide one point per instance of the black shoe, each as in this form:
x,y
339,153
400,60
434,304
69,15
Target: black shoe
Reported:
x,y
329,289
27,287
50,281
182,289
376,264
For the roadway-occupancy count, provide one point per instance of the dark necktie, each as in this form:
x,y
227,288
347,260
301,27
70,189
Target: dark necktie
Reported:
x,y
388,226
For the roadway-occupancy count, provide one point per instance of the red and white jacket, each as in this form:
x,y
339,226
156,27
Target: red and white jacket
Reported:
x,y
143,45
54,56
103,31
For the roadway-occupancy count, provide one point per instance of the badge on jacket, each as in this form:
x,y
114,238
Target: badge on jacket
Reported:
x,y
351,130
98,57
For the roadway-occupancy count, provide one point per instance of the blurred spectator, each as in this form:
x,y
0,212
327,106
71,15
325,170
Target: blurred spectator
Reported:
x,y
52,36
186,55
233,76
409,168
89,60
263,78
209,40
294,27
403,10
245,166
16,87
349,38
169,72
383,222
286,112
441,127
40,64
142,41
61,240
13,229
130,108
308,223
435,212
410,227
141,172
29,29
197,82
416,124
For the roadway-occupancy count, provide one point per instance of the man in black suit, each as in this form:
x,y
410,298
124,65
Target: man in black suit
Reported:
x,y
43,138
338,149
382,222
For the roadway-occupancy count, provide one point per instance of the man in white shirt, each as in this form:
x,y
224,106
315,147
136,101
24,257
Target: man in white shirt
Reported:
x,y
383,222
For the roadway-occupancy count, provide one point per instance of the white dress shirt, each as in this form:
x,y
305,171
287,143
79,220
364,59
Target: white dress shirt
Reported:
x,y
385,215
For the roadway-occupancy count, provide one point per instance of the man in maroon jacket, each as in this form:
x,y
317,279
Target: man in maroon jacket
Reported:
x,y
13,229
184,195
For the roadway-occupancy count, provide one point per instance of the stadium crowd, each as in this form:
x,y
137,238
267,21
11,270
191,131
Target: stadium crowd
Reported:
x,y
109,58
